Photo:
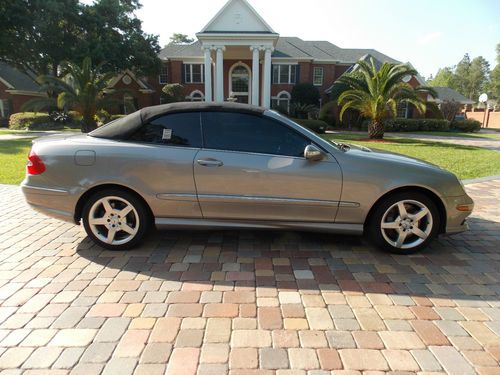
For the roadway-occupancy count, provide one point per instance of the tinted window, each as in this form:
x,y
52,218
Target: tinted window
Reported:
x,y
176,129
249,133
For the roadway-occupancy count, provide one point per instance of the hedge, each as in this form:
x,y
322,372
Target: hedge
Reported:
x,y
32,121
327,112
469,125
317,126
411,125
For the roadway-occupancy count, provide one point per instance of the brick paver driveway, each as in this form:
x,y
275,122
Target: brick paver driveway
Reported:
x,y
246,302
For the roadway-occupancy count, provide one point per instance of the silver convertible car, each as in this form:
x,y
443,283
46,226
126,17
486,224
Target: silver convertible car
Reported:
x,y
207,165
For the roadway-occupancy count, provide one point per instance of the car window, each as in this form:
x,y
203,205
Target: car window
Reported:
x,y
250,133
175,129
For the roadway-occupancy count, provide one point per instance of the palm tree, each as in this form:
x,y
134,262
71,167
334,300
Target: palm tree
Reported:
x,y
376,93
81,89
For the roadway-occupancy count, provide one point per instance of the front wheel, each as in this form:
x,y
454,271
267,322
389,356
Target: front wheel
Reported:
x,y
404,223
115,219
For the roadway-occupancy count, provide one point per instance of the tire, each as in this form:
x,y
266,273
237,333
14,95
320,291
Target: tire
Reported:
x,y
404,229
100,218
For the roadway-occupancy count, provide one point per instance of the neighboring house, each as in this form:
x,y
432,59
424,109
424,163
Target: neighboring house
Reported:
x,y
239,55
16,88
447,94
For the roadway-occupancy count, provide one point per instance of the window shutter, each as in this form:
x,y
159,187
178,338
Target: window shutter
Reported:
x,y
183,73
297,74
272,73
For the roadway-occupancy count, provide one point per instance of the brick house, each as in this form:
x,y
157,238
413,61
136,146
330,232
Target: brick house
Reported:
x,y
16,88
237,54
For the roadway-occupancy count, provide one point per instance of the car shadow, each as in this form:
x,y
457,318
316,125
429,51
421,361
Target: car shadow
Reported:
x,y
464,266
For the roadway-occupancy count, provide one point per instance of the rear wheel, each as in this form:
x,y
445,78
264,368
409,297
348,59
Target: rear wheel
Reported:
x,y
115,219
404,223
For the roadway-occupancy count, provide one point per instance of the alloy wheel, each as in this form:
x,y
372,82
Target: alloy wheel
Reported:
x,y
113,220
406,224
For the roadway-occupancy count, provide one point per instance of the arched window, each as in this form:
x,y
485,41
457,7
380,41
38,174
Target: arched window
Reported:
x,y
196,96
281,101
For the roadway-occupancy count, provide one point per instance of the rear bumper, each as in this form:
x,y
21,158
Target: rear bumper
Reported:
x,y
56,203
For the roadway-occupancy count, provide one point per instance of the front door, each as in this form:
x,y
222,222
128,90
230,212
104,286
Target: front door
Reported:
x,y
240,83
252,168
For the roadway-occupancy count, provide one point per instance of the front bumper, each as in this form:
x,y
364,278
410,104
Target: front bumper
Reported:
x,y
455,218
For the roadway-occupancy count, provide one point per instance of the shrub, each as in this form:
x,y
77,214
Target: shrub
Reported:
x,y
305,93
468,125
173,92
450,109
327,112
317,126
31,121
303,111
411,125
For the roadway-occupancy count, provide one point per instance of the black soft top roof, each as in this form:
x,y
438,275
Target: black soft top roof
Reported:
x,y
125,126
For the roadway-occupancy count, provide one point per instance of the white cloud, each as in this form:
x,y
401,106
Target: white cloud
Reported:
x,y
429,38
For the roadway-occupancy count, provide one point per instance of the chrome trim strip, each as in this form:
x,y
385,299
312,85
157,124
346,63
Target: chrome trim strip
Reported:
x,y
256,224
176,196
46,190
257,199
348,204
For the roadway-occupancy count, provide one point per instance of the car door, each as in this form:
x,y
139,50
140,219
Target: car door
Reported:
x,y
158,162
253,168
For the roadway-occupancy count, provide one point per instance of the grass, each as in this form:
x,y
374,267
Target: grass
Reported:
x,y
465,161
13,157
22,132
462,135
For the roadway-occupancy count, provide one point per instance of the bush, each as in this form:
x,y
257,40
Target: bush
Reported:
x,y
305,93
468,125
317,126
450,109
327,112
31,121
412,125
172,93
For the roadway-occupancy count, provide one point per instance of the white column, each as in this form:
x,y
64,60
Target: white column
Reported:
x,y
266,97
255,75
208,75
219,92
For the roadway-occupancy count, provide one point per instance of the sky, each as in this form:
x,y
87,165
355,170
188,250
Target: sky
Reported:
x,y
428,33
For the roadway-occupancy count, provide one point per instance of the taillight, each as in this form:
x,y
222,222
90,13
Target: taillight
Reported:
x,y
35,164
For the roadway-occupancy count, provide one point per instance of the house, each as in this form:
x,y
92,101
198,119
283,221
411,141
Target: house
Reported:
x,y
238,56
16,88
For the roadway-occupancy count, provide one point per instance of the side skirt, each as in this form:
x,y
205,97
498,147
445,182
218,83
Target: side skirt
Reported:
x,y
166,223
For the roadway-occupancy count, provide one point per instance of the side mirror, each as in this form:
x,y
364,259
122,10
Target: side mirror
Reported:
x,y
313,153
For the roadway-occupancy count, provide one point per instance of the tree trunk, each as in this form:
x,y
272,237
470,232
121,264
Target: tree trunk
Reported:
x,y
88,123
376,130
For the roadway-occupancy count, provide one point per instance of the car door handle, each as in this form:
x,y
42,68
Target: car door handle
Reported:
x,y
209,162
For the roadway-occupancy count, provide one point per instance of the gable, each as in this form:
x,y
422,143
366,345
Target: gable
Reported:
x,y
237,16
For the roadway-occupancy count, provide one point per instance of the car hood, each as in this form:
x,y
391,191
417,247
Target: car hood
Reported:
x,y
374,153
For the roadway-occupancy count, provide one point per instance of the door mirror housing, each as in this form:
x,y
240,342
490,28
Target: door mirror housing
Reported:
x,y
313,153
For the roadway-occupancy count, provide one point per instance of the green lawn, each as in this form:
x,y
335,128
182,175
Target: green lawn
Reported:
x,y
462,135
465,161
27,132
13,157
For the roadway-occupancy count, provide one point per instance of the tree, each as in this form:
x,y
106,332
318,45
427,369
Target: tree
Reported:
x,y
494,86
178,38
444,77
305,93
81,89
375,94
40,35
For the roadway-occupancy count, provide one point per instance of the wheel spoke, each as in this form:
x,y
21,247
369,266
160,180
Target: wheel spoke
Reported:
x,y
401,238
418,232
421,214
402,210
98,221
390,225
107,206
111,235
128,229
125,211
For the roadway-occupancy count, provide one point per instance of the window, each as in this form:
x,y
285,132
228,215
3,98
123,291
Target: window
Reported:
x,y
250,133
193,73
176,129
130,104
284,74
402,110
318,76
163,77
240,79
281,102
196,96
4,108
